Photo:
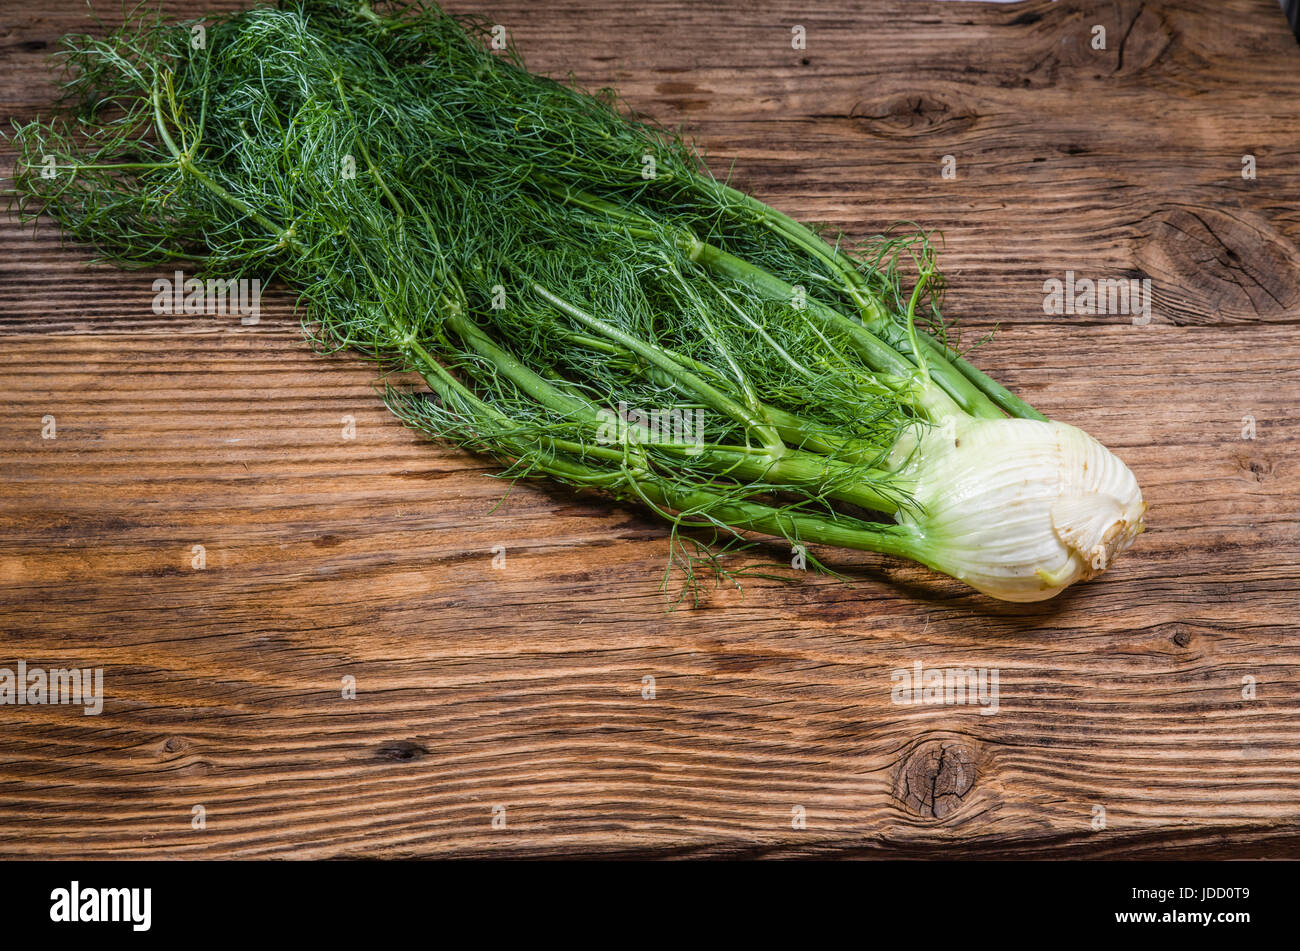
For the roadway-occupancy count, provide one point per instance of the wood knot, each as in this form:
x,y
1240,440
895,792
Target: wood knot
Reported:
x,y
401,751
1259,470
1182,634
1214,266
935,776
1133,45
912,114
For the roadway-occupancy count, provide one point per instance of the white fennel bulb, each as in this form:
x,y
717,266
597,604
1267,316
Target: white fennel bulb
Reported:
x,y
1018,509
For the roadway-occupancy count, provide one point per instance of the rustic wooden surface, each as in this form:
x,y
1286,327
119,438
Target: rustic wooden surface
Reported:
x,y
523,687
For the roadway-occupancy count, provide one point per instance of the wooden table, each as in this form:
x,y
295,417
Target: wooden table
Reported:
x,y
1126,723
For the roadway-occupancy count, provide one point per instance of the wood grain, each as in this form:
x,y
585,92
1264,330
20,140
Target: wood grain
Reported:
x,y
523,687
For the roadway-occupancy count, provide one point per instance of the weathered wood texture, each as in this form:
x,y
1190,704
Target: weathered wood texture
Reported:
x,y
523,687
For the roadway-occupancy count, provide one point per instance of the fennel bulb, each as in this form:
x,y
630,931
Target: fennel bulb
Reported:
x,y
1018,508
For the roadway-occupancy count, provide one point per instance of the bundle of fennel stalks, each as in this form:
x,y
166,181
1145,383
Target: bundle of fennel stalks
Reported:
x,y
560,273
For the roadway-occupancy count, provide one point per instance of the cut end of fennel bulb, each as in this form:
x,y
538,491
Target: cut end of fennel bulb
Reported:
x,y
1016,508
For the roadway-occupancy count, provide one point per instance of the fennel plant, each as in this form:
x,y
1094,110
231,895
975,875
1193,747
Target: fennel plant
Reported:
x,y
538,256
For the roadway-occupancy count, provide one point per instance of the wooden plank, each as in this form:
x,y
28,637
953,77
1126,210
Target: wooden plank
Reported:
x,y
523,687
